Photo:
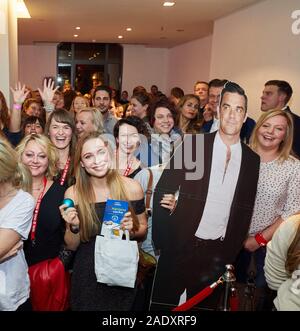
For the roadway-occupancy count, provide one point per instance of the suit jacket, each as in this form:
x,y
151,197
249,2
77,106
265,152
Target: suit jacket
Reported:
x,y
175,231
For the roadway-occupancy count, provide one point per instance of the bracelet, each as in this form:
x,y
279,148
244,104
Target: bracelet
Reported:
x,y
17,106
260,239
74,229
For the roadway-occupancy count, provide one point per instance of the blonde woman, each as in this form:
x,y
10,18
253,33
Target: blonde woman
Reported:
x,y
47,232
97,181
88,120
16,208
79,102
278,189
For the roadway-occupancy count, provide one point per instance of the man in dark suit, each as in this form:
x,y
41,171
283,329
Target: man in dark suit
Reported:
x,y
276,95
210,222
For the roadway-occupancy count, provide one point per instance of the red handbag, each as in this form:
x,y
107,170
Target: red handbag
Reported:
x,y
49,286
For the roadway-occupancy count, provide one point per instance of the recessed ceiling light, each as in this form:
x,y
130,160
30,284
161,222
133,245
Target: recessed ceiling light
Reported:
x,y
168,4
120,37
77,28
128,29
75,35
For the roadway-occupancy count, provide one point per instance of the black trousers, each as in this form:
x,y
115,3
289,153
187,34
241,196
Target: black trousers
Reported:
x,y
26,306
197,265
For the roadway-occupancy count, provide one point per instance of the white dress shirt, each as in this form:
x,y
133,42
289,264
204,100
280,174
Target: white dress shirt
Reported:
x,y
226,163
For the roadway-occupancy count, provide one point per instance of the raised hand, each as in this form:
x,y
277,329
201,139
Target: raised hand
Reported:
x,y
19,93
48,92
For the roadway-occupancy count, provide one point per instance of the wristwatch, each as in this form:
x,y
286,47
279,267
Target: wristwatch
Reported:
x,y
74,229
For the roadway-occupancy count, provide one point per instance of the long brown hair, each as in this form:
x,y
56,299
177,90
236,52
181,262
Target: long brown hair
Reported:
x,y
85,194
293,254
194,125
61,115
4,116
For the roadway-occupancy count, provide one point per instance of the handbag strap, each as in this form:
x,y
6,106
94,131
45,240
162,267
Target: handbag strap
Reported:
x,y
149,189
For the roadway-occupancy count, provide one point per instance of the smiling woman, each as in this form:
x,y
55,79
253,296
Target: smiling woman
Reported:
x,y
60,128
96,182
128,133
278,189
47,232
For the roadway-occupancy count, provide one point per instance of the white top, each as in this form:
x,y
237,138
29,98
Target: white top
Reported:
x,y
215,126
278,193
287,286
221,190
14,279
162,146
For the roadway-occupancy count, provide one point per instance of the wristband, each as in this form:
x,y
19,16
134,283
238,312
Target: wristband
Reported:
x,y
18,106
260,239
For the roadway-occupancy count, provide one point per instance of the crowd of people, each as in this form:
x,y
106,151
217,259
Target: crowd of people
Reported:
x,y
240,204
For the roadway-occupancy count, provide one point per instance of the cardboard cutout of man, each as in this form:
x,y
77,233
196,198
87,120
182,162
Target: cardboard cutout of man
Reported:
x,y
210,222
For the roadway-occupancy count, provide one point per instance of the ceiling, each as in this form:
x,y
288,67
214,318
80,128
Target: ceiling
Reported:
x,y
103,20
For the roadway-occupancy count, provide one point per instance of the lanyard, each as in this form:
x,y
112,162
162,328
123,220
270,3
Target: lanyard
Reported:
x,y
127,170
65,171
129,165
36,211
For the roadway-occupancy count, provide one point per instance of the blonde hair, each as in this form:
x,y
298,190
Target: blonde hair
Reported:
x,y
50,149
97,118
87,103
85,194
293,253
285,147
11,170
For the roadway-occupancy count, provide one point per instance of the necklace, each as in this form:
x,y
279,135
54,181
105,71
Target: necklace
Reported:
x,y
8,193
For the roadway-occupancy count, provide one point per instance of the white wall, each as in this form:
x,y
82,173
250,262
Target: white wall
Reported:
x,y
255,45
188,63
8,47
144,66
35,63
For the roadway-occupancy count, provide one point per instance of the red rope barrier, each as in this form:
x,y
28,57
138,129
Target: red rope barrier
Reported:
x,y
198,297
234,303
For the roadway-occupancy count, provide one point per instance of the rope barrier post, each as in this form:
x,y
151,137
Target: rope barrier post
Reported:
x,y
229,279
